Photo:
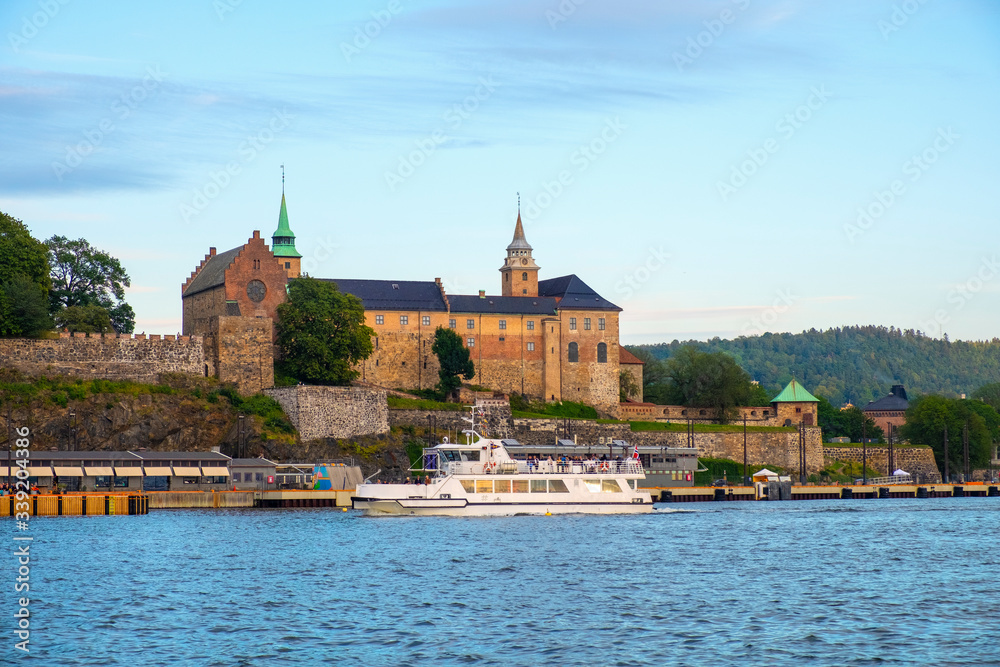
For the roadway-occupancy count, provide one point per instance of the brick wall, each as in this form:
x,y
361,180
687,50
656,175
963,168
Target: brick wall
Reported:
x,y
111,356
333,412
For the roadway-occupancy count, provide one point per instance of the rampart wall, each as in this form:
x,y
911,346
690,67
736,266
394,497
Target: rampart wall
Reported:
x,y
333,412
780,448
139,358
914,460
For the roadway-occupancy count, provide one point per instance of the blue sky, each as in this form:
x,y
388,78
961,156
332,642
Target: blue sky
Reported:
x,y
716,168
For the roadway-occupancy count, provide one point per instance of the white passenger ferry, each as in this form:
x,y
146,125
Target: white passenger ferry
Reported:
x,y
482,479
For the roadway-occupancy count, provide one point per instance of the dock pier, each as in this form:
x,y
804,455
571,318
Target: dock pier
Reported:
x,y
849,492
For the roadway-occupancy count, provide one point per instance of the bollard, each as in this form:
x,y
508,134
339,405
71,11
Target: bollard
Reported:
x,y
666,496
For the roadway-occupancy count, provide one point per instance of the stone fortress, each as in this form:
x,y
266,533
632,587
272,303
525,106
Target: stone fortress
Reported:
x,y
553,340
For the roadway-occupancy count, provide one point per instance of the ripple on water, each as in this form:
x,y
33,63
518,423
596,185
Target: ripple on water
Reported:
x,y
820,582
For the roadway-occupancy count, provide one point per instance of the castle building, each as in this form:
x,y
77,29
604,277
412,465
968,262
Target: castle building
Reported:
x,y
554,339
889,412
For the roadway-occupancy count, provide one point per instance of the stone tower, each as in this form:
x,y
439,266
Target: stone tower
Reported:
x,y
519,271
283,241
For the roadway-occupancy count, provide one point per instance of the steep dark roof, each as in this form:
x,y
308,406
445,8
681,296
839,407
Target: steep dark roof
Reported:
x,y
213,273
393,294
892,402
574,294
514,305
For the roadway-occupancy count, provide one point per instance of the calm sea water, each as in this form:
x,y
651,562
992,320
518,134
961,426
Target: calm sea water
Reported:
x,y
888,582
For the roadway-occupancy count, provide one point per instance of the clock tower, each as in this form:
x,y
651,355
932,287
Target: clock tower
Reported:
x,y
519,271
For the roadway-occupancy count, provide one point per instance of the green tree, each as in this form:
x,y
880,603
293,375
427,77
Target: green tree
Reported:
x,y
848,423
83,275
322,333
627,386
989,394
927,417
27,309
86,319
708,380
22,258
454,359
654,376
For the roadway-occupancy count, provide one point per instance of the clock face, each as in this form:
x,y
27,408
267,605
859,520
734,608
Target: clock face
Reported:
x,y
256,290
524,260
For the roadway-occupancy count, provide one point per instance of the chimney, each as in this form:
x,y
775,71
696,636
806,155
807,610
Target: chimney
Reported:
x,y
211,252
482,294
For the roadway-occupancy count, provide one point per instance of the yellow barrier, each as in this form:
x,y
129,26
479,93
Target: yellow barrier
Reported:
x,y
74,505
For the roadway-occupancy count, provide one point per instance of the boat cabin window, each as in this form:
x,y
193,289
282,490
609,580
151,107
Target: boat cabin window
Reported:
x,y
538,486
469,485
557,486
610,486
520,485
501,486
484,486
459,455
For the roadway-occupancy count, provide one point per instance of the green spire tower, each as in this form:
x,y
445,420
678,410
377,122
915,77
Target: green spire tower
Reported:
x,y
283,240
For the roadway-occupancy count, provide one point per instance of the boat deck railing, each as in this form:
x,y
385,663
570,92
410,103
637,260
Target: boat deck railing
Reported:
x,y
892,479
591,467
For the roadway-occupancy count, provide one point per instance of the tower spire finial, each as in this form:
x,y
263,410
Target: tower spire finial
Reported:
x,y
518,204
282,180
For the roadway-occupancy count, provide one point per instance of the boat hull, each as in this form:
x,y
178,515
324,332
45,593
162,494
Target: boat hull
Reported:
x,y
461,507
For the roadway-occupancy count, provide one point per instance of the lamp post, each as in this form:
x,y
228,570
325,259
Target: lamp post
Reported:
x,y
745,480
946,475
864,452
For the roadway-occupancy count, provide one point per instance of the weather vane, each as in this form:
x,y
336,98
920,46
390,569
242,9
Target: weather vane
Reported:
x,y
283,179
518,202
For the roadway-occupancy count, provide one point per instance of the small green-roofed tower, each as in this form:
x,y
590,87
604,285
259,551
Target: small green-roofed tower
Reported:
x,y
794,393
283,239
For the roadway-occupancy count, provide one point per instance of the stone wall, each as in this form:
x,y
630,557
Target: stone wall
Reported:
x,y
333,412
914,460
110,356
778,448
240,350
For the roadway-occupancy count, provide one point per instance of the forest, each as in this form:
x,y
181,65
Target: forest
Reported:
x,y
855,364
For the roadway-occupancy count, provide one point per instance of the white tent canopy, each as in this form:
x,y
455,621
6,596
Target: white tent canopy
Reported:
x,y
901,472
765,473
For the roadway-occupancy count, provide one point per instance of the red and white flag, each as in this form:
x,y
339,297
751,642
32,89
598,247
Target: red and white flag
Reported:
x,y
635,452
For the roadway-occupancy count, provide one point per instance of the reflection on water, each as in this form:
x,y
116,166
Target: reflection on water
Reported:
x,y
813,582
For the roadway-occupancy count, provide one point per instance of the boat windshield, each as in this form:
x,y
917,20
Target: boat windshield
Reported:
x,y
459,455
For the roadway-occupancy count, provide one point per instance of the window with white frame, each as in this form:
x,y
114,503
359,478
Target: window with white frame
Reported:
x,y
600,323
404,319
572,324
586,324
380,319
426,320
531,347
503,324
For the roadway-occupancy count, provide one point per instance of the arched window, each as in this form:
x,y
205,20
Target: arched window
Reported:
x,y
574,352
602,353
524,275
